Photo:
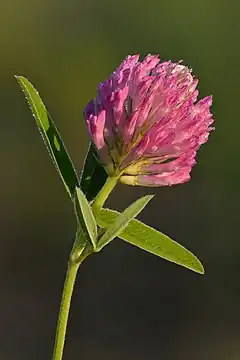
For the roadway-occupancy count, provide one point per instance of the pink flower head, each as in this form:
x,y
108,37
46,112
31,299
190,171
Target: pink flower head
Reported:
x,y
146,122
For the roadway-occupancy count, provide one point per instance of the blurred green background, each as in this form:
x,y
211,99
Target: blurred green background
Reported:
x,y
128,304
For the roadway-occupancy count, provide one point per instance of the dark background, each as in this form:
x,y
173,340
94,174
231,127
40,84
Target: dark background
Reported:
x,y
128,304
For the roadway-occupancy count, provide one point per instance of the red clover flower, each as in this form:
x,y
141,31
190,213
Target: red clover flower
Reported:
x,y
146,122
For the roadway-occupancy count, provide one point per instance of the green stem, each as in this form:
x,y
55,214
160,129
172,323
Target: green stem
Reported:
x,y
76,258
103,194
78,254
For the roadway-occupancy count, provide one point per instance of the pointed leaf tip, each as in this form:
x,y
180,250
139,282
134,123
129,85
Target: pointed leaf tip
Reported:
x,y
152,241
51,136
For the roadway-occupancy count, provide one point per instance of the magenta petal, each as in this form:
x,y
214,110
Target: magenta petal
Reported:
x,y
165,179
96,126
183,161
119,100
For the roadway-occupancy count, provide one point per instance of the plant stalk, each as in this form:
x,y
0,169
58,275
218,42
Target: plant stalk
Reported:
x,y
103,194
76,258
